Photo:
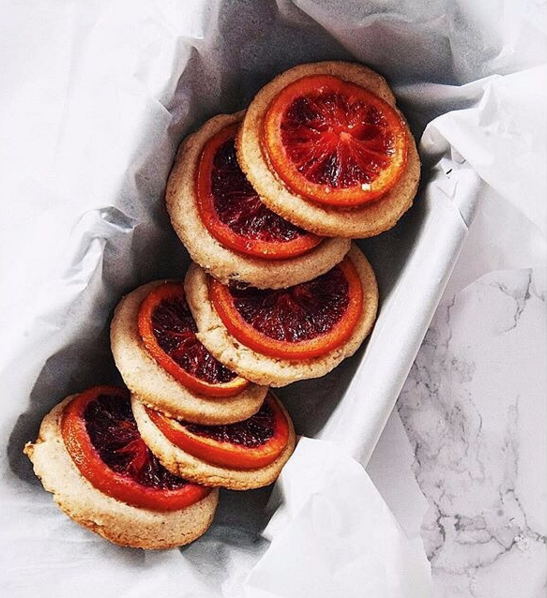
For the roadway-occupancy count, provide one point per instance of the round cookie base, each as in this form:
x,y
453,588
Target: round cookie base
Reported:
x,y
157,388
363,221
112,519
275,371
217,260
192,468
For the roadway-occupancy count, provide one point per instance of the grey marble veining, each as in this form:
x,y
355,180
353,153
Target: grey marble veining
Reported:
x,y
474,411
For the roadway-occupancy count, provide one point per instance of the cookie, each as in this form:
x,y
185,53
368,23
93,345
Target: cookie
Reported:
x,y
217,258
158,389
201,470
112,519
275,371
361,221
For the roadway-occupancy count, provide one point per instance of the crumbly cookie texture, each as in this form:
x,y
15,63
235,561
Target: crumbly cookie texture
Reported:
x,y
367,220
272,370
116,521
191,468
219,261
157,388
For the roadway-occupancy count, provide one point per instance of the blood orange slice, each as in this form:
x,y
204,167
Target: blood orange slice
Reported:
x,y
334,142
232,211
101,436
168,332
302,321
250,444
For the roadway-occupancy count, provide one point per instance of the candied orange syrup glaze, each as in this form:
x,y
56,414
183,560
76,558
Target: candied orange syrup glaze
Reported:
x,y
241,203
169,291
226,453
114,484
243,331
334,142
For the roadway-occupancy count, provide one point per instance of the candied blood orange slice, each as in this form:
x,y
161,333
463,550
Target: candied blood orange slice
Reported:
x,y
250,444
101,436
302,321
168,332
232,211
334,142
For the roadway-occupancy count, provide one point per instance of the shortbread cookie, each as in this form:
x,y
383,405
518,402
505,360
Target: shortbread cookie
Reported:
x,y
277,371
365,220
251,437
156,387
117,521
226,229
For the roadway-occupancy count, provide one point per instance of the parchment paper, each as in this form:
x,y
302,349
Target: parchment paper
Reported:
x,y
99,95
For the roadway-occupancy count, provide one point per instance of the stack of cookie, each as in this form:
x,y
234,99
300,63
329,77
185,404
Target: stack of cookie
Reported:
x,y
266,202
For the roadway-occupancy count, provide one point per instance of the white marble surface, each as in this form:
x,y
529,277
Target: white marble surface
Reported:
x,y
474,410
474,404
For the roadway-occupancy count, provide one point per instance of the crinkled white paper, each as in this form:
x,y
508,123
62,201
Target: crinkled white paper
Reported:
x,y
96,97
334,525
